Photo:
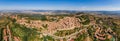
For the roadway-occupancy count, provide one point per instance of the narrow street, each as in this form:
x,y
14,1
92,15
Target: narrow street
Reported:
x,y
7,34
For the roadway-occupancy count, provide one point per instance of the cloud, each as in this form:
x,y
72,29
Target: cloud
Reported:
x,y
99,8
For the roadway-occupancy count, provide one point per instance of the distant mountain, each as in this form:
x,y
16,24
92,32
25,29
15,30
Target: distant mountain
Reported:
x,y
109,12
60,12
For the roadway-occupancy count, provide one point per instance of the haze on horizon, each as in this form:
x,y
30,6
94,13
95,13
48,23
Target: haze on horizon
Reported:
x,y
108,5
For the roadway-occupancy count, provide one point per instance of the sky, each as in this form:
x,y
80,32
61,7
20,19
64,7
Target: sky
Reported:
x,y
60,5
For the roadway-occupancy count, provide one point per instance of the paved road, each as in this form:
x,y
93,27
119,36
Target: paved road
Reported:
x,y
58,37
